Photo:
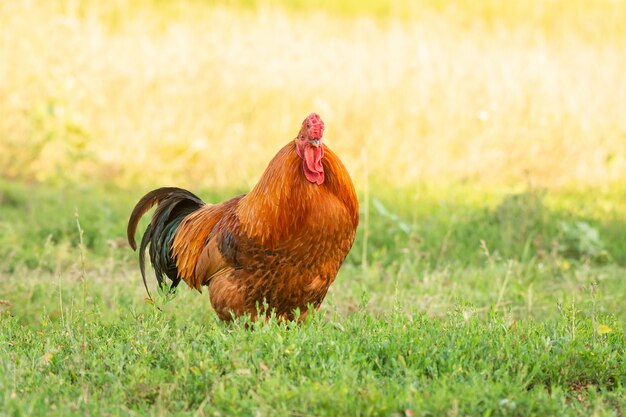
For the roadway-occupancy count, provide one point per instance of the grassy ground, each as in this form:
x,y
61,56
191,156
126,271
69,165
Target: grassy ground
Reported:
x,y
485,138
454,311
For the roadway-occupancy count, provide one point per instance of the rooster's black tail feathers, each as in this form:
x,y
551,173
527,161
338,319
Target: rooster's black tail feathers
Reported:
x,y
173,205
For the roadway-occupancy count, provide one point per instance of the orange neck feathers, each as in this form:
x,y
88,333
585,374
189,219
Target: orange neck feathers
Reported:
x,y
280,202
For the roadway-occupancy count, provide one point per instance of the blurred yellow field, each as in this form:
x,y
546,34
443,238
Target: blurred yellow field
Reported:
x,y
194,93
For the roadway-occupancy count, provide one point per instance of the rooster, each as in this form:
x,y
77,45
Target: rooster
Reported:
x,y
279,247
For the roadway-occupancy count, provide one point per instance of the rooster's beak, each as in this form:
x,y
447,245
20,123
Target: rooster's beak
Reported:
x,y
315,142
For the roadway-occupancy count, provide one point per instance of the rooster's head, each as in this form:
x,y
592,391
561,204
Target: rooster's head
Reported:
x,y
309,147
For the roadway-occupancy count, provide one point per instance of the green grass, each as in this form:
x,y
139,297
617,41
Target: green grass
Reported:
x,y
433,323
184,361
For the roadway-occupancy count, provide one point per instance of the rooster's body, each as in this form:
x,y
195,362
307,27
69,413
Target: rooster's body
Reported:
x,y
279,246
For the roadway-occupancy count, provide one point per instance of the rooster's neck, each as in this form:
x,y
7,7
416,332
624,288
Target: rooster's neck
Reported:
x,y
278,203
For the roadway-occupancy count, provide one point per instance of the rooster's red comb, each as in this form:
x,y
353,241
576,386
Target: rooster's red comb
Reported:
x,y
314,126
